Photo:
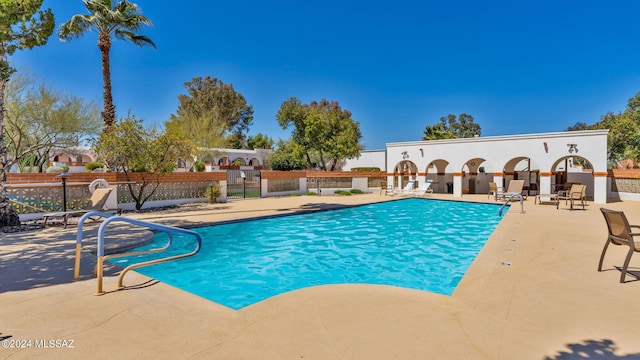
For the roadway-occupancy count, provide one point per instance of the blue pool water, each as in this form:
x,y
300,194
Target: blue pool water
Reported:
x,y
415,243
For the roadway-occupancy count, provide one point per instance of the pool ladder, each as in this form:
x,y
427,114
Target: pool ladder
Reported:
x,y
509,200
169,230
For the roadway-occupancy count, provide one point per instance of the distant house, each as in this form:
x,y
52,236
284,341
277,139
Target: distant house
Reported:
x,y
75,158
221,159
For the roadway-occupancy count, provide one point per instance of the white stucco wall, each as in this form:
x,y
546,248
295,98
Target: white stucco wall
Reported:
x,y
368,158
500,153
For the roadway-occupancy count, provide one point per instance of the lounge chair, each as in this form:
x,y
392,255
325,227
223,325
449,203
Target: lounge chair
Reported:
x,y
619,234
425,188
515,187
96,203
578,192
408,189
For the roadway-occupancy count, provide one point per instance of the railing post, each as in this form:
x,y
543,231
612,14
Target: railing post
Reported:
x,y
64,176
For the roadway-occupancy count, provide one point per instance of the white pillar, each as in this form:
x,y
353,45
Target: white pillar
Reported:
x,y
545,182
457,184
498,179
600,187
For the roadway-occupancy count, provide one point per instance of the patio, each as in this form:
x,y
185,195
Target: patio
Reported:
x,y
532,293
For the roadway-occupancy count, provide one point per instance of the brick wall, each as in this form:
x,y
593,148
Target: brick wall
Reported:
x,y
269,175
320,174
45,178
624,173
344,174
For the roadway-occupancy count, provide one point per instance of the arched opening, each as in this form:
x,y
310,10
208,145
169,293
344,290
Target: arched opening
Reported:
x,y
522,168
572,169
238,161
224,161
436,171
474,177
403,172
254,162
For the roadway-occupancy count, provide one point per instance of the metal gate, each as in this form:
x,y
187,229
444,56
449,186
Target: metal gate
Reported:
x,y
243,184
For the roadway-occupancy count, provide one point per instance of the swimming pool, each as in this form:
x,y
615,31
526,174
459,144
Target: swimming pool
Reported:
x,y
423,244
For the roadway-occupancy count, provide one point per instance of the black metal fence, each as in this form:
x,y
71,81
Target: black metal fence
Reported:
x,y
243,184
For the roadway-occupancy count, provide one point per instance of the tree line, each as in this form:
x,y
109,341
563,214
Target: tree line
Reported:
x,y
623,141
210,115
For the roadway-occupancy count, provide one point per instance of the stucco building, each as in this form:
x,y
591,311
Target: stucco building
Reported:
x,y
467,165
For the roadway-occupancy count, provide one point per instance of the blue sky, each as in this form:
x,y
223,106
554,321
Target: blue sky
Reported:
x,y
517,67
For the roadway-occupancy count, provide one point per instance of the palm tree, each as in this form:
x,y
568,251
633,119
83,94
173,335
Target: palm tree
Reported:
x,y
122,20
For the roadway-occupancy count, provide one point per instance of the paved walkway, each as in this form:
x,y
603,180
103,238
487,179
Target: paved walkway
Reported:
x,y
548,303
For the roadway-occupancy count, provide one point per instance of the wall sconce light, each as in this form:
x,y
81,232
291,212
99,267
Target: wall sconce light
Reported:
x,y
572,148
546,147
422,152
405,155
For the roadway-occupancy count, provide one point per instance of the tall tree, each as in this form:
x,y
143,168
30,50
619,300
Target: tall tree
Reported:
x,y
624,131
323,129
23,25
212,114
40,118
452,127
578,126
109,19
259,141
289,155
130,148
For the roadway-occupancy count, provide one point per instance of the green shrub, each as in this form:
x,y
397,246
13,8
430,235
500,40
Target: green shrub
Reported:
x,y
311,193
365,169
92,165
199,166
57,169
342,192
294,195
356,191
212,193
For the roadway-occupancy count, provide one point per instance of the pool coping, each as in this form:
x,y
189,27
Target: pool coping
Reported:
x,y
436,287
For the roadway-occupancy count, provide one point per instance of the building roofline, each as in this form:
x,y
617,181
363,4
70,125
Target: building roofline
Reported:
x,y
504,138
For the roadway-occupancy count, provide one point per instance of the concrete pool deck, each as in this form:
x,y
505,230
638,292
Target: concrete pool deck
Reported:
x,y
533,292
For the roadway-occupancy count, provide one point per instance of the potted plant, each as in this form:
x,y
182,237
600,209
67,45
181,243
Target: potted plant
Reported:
x,y
212,193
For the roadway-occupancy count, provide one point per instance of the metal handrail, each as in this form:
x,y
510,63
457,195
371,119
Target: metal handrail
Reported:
x,y
83,218
169,230
509,199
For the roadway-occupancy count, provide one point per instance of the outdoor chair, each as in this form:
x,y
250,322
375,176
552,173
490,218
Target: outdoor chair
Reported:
x,y
515,187
564,188
578,192
493,190
390,190
408,189
620,233
425,188
96,203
